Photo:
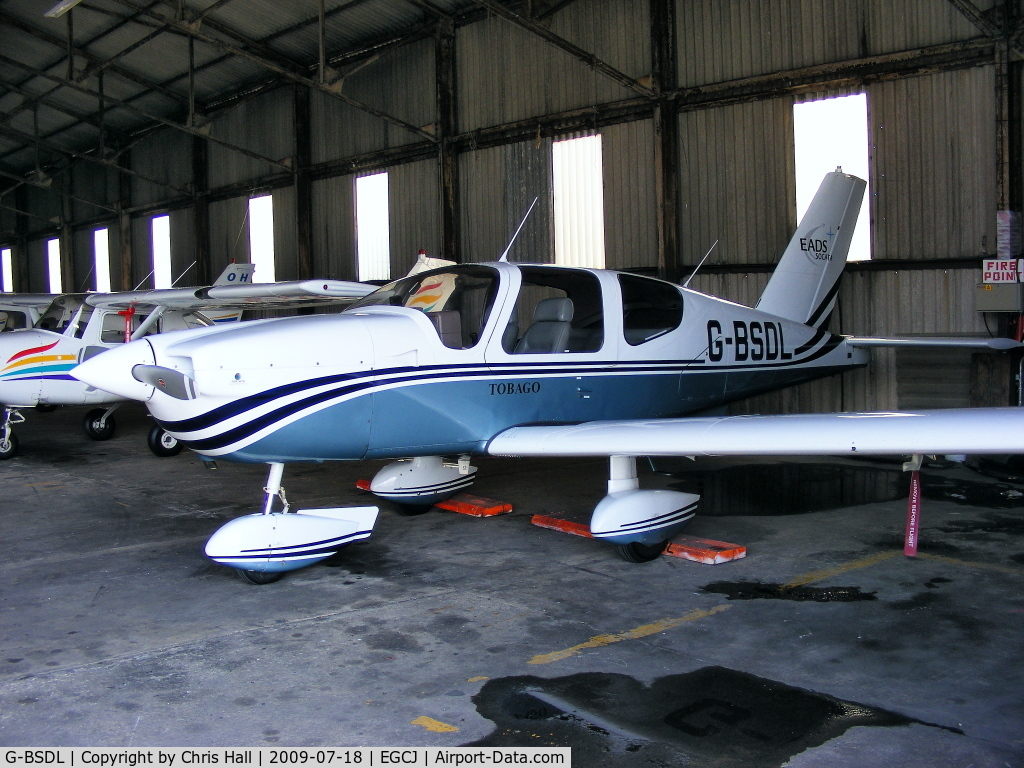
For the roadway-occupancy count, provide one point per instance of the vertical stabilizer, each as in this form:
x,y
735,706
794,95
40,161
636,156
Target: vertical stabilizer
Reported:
x,y
236,274
806,281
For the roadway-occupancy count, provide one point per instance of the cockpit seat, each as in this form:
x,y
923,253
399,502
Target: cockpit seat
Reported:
x,y
550,329
448,324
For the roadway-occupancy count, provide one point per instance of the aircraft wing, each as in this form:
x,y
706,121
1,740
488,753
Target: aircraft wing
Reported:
x,y
19,301
244,296
997,344
954,431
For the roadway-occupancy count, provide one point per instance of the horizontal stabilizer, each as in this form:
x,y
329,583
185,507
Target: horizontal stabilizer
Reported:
x,y
997,344
955,431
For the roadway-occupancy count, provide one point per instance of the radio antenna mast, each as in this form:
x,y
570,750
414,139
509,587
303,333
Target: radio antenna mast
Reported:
x,y
687,283
504,254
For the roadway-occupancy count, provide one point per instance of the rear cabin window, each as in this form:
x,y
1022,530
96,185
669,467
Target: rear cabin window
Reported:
x,y
456,300
557,310
650,308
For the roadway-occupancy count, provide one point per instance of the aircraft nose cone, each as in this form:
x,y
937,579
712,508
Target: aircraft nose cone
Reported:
x,y
111,371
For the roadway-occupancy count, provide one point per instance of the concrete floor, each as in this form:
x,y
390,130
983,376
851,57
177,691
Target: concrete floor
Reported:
x,y
115,631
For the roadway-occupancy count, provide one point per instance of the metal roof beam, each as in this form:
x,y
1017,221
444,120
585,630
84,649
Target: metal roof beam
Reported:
x,y
976,17
573,50
46,37
162,120
286,72
36,98
51,190
30,139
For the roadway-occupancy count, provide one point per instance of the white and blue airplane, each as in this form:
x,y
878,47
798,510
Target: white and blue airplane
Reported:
x,y
35,362
511,359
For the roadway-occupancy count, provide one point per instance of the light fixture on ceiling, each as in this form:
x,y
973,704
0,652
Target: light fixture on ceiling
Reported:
x,y
61,8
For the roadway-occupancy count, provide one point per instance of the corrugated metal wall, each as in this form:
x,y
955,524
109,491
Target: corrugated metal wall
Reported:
x,y
737,182
165,156
263,125
497,187
630,229
721,40
400,82
506,73
229,233
413,210
334,231
933,150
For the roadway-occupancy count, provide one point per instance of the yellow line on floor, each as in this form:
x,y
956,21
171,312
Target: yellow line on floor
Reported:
x,y
972,564
434,725
632,634
853,565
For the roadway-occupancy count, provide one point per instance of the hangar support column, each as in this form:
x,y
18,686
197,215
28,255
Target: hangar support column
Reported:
x,y
124,230
303,183
666,136
447,125
20,266
201,206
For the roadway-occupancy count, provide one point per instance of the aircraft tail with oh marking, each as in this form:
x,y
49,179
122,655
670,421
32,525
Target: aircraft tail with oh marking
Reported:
x,y
805,283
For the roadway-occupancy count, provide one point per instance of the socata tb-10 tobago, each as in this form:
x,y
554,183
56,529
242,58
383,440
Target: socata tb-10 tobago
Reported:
x,y
525,360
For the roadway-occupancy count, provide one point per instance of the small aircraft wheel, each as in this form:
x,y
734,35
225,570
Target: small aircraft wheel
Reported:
x,y
411,510
45,407
260,577
640,553
9,447
91,425
163,444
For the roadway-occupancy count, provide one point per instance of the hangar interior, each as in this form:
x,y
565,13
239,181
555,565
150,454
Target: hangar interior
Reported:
x,y
116,113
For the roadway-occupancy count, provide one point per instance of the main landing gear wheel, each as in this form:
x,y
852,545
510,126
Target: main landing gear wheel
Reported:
x,y
163,444
8,446
411,510
640,553
260,577
96,426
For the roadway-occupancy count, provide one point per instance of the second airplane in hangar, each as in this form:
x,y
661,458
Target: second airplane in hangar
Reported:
x,y
518,359
35,362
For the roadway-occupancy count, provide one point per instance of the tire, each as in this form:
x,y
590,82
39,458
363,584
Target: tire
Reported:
x,y
9,447
161,443
260,577
640,553
45,407
91,425
411,510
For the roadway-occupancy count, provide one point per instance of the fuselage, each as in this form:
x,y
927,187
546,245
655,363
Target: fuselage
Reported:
x,y
441,362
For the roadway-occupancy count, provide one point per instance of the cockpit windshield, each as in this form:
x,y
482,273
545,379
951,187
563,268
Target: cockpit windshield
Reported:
x,y
60,313
457,301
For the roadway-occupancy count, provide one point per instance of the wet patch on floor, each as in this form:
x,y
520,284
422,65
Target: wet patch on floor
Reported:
x,y
991,523
712,714
755,590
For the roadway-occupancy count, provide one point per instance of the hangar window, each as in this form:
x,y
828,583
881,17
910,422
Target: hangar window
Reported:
x,y
7,270
373,227
828,133
557,310
577,181
650,308
53,265
261,239
161,231
101,258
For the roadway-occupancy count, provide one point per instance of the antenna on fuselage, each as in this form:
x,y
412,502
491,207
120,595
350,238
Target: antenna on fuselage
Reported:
x,y
504,254
687,283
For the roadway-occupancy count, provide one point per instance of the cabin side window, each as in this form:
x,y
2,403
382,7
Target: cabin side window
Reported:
x,y
650,308
557,310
